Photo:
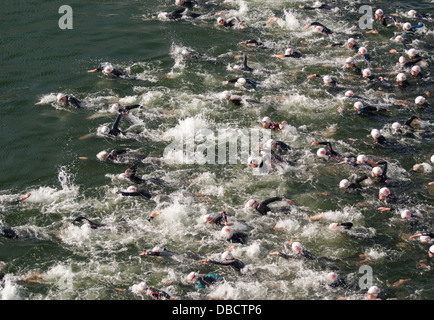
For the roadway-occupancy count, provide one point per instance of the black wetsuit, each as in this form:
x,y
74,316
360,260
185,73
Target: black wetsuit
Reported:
x,y
302,254
163,253
321,7
249,82
254,42
368,110
356,184
263,208
139,193
114,130
157,294
330,152
179,13
235,263
245,67
72,101
114,72
220,219
238,237
93,225
208,279
8,232
189,4
325,30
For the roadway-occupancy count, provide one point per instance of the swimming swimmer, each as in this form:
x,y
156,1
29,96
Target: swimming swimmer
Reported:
x,y
316,6
107,69
66,100
157,252
134,192
267,124
227,259
297,252
205,280
289,53
92,225
242,82
319,28
262,207
328,81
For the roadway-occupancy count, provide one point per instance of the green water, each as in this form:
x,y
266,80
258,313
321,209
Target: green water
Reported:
x,y
40,152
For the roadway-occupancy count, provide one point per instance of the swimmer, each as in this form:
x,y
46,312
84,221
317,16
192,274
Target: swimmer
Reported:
x,y
360,160
92,225
345,184
363,53
125,110
350,44
378,137
278,147
242,82
297,252
107,69
379,172
420,102
157,252
227,259
289,53
424,237
114,130
316,6
121,156
351,64
401,81
130,175
233,237
373,293
154,294
229,22
219,219
232,98
274,126
340,226
179,14
134,192
244,67
381,18
205,280
66,100
253,43
361,109
329,152
328,81
262,207
19,199
319,28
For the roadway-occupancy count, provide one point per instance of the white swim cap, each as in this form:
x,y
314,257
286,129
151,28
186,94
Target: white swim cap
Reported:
x,y
107,69
358,106
207,218
362,158
344,184
241,81
115,107
379,12
319,29
349,93
132,189
412,52
123,176
415,69
401,60
412,13
227,256
226,95
377,171
399,39
363,50
374,290
384,192
193,275
367,73
104,130
155,249
327,79
333,226
401,77
405,214
266,119
179,2
351,41
288,51
317,4
375,133
431,249
432,158
350,60
396,125
270,143
142,286
420,100
60,96
227,232
219,19
406,26
251,203
297,246
333,276
102,156
321,152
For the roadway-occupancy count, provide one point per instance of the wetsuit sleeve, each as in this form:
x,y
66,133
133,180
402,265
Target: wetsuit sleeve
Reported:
x,y
115,127
145,194
233,80
270,200
286,256
384,164
358,180
135,106
409,121
74,101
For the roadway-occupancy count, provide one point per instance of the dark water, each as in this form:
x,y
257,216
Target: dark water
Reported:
x,y
40,151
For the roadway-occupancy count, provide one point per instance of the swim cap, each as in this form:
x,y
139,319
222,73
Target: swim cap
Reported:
x,y
297,246
351,41
425,239
349,93
179,2
374,290
432,158
420,100
399,39
219,19
396,125
155,249
362,158
401,60
363,50
321,152
412,13
266,119
104,129
327,79
350,60
333,276
115,107
193,275
405,214
379,12
241,81
60,96
227,256
270,143
123,176
103,155
358,106
377,171
226,94
412,53
207,218
251,203
227,231
142,286
384,192
317,4
431,249
406,26
415,69
132,189
344,184
367,73
107,69
288,51
401,77
333,226
319,29
375,133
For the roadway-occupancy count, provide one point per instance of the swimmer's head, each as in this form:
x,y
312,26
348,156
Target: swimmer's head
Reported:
x,y
193,276
102,156
142,286
425,239
351,41
179,2
349,93
333,276
252,203
288,51
227,256
399,39
317,4
220,21
366,73
132,189
297,246
61,97
321,152
402,60
327,80
115,107
406,26
227,232
107,69
400,77
241,81
362,158
415,70
374,291
396,125
123,176
363,51
420,100
383,193
358,106
412,53
226,95
405,214
431,251
375,133
376,171
104,130
349,61
344,184
379,12
412,13
432,158
319,29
